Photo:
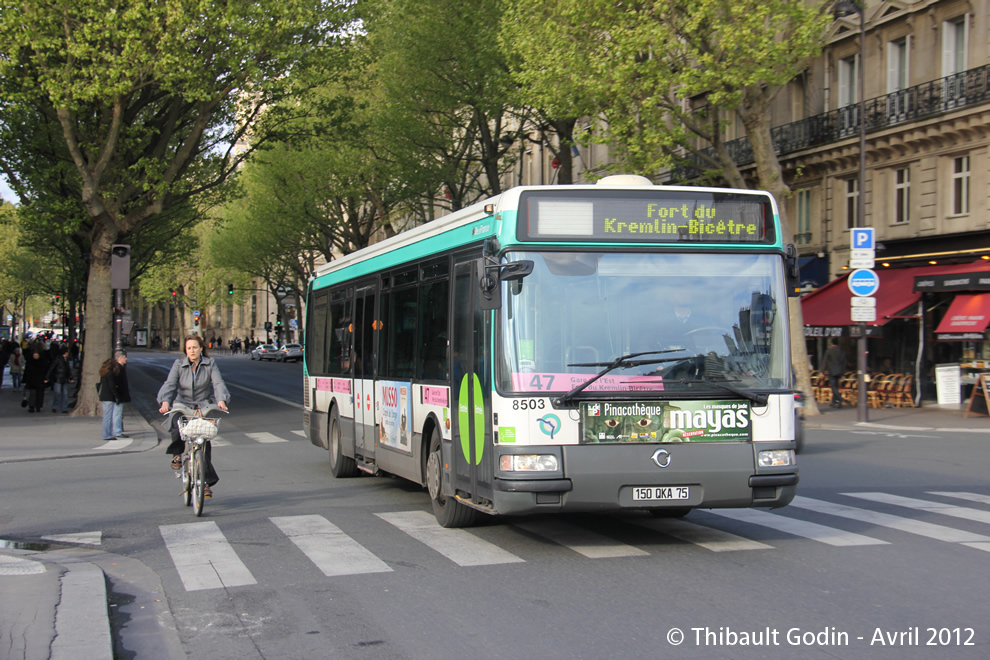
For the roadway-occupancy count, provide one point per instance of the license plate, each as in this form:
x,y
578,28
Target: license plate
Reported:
x,y
646,493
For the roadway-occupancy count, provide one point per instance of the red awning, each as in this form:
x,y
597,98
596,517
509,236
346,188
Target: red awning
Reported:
x,y
966,319
829,305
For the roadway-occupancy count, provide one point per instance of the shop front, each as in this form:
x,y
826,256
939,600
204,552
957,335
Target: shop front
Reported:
x,y
926,316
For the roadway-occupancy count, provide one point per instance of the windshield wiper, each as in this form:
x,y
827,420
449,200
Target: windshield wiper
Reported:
x,y
756,397
621,362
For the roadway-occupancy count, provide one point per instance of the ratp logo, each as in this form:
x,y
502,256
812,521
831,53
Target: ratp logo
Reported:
x,y
595,410
549,425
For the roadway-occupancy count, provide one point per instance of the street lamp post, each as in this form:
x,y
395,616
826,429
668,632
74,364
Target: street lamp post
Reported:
x,y
846,8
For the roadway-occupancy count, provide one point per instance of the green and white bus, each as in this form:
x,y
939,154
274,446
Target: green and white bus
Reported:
x,y
564,349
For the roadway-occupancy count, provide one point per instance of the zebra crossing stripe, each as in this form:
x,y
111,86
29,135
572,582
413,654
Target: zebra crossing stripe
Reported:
x,y
203,557
333,551
964,512
921,528
808,530
583,541
972,497
457,545
300,433
709,538
220,442
265,437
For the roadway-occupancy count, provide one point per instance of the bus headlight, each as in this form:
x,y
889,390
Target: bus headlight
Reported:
x,y
529,463
776,457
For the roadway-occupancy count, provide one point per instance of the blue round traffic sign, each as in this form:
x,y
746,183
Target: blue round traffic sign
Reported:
x,y
863,282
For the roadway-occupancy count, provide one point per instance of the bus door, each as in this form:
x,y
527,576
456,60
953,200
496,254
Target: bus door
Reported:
x,y
472,450
366,325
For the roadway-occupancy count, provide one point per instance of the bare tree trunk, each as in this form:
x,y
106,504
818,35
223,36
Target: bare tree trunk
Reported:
x,y
98,344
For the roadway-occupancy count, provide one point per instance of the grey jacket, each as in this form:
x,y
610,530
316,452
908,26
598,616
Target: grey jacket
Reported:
x,y
206,387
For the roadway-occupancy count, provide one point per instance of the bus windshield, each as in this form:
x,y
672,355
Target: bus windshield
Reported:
x,y
687,323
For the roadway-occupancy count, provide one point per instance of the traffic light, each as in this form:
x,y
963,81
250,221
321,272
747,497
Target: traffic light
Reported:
x,y
230,289
196,316
278,319
174,294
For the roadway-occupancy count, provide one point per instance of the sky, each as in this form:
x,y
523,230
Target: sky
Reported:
x,y
5,192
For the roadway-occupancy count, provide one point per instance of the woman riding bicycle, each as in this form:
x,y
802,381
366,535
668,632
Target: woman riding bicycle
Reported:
x,y
193,380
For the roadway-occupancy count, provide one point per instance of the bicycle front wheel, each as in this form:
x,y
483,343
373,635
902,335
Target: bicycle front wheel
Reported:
x,y
186,479
198,482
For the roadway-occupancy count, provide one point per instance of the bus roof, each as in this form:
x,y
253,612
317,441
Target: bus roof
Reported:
x,y
485,218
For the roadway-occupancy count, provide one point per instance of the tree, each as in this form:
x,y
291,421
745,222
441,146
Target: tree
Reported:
x,y
665,74
152,99
447,95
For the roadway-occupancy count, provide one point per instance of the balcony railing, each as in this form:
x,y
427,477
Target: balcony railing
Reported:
x,y
907,105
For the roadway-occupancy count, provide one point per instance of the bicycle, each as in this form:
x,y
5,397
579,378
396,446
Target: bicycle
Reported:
x,y
196,429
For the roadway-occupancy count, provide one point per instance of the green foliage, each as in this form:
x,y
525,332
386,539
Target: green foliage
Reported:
x,y
660,73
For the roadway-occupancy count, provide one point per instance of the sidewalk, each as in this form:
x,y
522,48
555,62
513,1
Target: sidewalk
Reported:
x,y
53,594
926,418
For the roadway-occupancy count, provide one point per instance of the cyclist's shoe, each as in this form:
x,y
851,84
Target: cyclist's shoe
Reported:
x,y
207,492
177,462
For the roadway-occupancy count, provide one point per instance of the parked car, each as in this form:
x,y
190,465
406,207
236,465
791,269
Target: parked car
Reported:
x,y
290,352
265,352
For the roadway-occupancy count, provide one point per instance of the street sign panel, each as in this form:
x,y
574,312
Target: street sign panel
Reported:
x,y
863,282
863,302
863,238
862,263
862,254
864,314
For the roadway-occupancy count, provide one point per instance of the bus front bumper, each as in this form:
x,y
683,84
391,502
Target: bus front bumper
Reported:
x,y
610,477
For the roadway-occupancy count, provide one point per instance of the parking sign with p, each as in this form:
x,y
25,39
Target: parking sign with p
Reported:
x,y
863,238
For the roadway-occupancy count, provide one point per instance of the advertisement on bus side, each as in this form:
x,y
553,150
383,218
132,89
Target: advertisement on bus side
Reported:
x,y
396,407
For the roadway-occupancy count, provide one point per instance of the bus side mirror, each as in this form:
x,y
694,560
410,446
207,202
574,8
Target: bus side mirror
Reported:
x,y
493,274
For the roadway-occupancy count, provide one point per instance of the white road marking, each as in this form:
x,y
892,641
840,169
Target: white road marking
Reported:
x,y
333,552
971,497
82,538
938,532
203,557
300,432
462,548
808,530
265,437
964,512
119,443
580,540
709,538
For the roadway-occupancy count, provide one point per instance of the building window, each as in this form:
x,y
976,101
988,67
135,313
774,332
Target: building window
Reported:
x,y
954,44
848,83
960,185
803,217
902,196
254,310
898,76
852,202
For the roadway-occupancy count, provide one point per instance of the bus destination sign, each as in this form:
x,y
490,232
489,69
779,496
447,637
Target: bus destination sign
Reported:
x,y
654,217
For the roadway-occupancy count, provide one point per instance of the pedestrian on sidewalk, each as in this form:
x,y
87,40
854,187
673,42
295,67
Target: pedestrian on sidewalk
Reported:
x,y
6,351
834,364
16,367
110,395
35,370
60,377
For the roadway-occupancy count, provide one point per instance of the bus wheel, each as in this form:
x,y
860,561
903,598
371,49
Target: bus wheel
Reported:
x,y
448,511
340,466
672,512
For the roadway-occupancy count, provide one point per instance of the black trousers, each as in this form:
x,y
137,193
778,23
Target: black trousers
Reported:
x,y
178,445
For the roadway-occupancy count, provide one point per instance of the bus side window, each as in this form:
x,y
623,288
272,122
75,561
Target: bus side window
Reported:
x,y
433,330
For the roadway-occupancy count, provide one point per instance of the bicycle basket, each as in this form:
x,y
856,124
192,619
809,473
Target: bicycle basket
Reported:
x,y
198,427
